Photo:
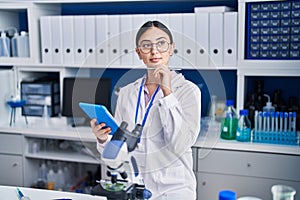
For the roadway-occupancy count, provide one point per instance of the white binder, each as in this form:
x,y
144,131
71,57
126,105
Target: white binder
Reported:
x,y
90,39
68,39
202,39
114,39
137,22
216,39
46,39
102,40
230,38
175,25
189,39
56,34
127,40
79,39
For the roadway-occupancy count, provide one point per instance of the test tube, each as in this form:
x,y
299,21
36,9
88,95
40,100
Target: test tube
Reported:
x,y
286,115
268,121
294,121
256,121
280,121
264,121
276,121
272,121
260,116
290,121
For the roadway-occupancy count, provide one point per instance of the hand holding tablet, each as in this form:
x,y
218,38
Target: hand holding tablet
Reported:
x,y
101,113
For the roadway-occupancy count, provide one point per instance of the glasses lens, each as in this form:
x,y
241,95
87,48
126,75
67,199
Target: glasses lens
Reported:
x,y
161,46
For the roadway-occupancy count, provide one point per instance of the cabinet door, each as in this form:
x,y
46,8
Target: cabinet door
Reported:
x,y
11,170
210,184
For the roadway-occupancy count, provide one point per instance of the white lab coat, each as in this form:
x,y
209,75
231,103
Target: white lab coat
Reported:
x,y
164,154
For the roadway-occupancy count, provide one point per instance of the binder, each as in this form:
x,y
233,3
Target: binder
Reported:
x,y
137,22
189,38
202,39
68,39
175,25
114,39
216,39
230,38
79,39
56,34
102,40
90,39
127,40
46,39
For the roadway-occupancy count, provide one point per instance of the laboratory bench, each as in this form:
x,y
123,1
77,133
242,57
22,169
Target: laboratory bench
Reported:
x,y
245,167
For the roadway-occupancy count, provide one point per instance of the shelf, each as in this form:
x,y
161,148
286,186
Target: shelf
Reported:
x,y
69,156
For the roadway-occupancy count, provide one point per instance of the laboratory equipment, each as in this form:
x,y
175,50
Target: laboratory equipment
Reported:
x,y
117,156
229,122
283,192
268,107
21,195
243,133
4,45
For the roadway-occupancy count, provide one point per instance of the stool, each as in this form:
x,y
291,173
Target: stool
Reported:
x,y
14,105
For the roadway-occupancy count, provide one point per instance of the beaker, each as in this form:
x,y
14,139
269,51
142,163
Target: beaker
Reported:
x,y
283,192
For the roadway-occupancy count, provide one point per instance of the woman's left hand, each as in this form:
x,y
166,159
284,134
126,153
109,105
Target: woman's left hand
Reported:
x,y
164,75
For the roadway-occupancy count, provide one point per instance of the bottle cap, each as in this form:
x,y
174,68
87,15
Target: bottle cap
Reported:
x,y
229,102
227,195
244,112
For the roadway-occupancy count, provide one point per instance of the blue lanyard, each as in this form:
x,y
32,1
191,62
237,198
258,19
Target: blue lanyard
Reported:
x,y
149,106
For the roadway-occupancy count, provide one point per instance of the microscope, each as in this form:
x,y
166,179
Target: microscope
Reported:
x,y
125,181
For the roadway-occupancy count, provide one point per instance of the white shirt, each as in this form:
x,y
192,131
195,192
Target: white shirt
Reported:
x,y
164,154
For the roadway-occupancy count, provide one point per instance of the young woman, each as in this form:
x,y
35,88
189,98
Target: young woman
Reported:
x,y
169,107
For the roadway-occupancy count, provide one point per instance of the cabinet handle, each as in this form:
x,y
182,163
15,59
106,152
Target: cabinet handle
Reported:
x,y
248,165
203,183
15,164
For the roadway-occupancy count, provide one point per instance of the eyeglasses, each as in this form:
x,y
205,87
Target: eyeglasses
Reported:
x,y
161,46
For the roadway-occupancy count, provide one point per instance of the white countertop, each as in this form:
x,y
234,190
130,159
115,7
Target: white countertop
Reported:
x,y
9,192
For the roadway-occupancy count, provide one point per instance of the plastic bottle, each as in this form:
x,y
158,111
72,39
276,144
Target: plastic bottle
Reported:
x,y
268,108
229,122
23,44
14,45
60,184
243,133
51,177
46,116
43,170
4,45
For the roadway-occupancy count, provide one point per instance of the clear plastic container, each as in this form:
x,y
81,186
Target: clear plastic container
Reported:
x,y
283,192
229,123
4,45
243,133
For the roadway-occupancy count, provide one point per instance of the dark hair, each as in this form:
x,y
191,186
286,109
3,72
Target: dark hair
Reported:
x,y
150,24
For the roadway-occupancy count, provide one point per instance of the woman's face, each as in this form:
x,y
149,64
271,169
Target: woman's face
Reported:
x,y
154,47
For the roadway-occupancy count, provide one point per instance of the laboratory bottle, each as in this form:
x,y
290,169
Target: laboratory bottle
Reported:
x,y
46,116
251,107
60,184
229,122
14,45
259,93
51,180
268,107
43,170
243,132
283,192
23,44
4,45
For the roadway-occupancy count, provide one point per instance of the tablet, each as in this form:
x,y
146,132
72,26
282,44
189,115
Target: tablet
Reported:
x,y
101,113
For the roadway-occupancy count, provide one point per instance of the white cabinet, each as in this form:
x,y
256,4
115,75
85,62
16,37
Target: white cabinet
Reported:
x,y
11,167
247,173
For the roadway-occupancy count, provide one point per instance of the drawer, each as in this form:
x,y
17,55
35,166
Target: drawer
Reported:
x,y
40,99
40,88
37,110
279,166
11,144
11,170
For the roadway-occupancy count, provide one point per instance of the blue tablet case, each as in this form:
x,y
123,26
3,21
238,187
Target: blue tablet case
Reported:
x,y
101,113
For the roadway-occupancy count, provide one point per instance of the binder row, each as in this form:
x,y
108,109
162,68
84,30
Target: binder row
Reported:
x,y
273,30
201,39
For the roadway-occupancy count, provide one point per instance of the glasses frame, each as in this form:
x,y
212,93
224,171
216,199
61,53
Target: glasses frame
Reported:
x,y
152,46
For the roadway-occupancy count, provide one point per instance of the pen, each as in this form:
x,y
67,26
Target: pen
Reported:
x,y
21,195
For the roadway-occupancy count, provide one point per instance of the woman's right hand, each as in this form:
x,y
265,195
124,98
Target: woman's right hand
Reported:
x,y
100,132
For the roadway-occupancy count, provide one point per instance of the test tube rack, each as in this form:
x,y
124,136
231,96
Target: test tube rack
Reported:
x,y
273,137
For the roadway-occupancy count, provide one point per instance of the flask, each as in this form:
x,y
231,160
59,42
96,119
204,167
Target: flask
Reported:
x,y
23,44
4,45
243,133
229,122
